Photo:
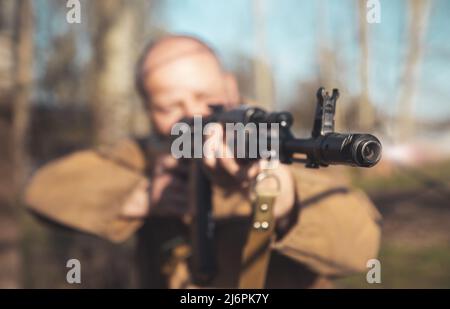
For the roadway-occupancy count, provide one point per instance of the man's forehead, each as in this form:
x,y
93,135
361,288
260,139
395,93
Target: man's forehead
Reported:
x,y
169,50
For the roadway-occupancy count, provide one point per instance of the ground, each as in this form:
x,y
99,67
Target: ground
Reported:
x,y
415,251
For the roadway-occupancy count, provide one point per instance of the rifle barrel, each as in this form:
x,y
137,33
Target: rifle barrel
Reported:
x,y
362,150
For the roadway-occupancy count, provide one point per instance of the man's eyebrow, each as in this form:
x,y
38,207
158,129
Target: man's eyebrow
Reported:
x,y
177,56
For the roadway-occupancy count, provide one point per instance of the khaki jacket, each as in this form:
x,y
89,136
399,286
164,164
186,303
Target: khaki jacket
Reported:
x,y
336,233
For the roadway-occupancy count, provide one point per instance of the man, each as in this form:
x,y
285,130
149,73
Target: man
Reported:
x,y
322,229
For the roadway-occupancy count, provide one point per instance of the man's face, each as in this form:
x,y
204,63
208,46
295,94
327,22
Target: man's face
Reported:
x,y
182,84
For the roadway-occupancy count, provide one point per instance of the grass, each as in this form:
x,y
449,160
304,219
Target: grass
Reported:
x,y
417,265
407,267
402,178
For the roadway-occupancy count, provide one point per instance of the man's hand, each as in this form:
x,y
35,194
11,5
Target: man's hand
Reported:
x,y
286,198
224,170
169,192
166,194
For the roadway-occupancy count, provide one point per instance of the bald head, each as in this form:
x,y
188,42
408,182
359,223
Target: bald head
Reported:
x,y
180,76
166,50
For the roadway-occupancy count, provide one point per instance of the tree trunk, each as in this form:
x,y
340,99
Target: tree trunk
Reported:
x,y
114,56
22,92
419,11
16,65
263,80
366,116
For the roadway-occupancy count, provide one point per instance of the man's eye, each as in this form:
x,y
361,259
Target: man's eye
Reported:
x,y
167,108
202,96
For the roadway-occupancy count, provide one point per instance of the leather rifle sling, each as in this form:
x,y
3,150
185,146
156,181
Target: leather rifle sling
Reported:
x,y
256,253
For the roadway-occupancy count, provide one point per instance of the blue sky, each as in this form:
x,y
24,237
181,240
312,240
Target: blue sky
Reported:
x,y
291,31
291,42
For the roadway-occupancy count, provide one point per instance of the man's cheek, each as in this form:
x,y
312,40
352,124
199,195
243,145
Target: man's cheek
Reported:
x,y
163,123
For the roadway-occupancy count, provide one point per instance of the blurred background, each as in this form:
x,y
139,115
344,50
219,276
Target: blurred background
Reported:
x,y
66,86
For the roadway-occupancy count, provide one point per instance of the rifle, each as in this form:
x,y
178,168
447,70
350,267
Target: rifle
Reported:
x,y
325,147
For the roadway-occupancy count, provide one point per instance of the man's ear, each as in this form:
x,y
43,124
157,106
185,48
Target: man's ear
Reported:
x,y
232,89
